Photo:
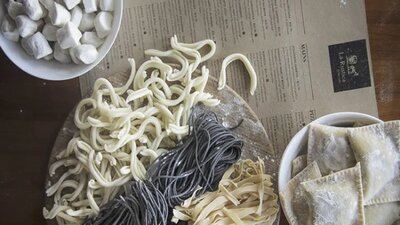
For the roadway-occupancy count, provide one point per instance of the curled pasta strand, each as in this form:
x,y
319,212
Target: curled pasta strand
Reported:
x,y
185,50
181,130
153,63
66,162
79,121
78,190
92,203
198,45
174,102
137,168
110,90
123,89
175,55
80,212
164,85
247,64
66,184
100,178
54,211
138,94
53,189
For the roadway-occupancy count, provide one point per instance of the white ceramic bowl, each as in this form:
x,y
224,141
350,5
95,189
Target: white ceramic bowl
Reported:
x,y
298,144
53,70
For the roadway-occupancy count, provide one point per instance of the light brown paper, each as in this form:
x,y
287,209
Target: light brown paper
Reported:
x,y
287,42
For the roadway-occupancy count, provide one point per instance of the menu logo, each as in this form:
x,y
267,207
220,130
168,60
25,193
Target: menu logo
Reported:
x,y
349,65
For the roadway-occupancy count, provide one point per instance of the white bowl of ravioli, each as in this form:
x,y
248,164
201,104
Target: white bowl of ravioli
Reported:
x,y
52,69
298,144
343,168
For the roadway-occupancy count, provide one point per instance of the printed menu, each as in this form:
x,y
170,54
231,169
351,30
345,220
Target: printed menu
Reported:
x,y
311,57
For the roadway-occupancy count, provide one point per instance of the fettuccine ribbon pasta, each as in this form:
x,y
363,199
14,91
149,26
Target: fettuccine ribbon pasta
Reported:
x,y
245,196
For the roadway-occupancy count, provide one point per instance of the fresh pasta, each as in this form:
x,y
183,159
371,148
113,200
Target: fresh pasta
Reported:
x,y
143,204
194,166
124,129
245,196
199,162
247,64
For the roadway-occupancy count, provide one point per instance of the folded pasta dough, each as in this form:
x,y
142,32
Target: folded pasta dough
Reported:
x,y
382,214
376,147
330,148
336,198
298,164
293,197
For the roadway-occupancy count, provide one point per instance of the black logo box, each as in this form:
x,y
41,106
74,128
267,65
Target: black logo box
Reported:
x,y
349,65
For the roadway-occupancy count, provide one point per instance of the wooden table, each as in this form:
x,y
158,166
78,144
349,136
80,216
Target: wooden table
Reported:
x,y
33,110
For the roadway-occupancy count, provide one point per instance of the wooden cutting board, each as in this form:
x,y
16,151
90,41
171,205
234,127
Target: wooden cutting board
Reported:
x,y
231,111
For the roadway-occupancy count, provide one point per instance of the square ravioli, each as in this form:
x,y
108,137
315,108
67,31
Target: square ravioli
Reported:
x,y
330,148
293,197
336,198
376,147
298,164
382,214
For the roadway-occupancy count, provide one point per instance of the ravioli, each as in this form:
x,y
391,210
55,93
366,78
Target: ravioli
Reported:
x,y
293,197
376,147
298,164
330,148
336,198
382,214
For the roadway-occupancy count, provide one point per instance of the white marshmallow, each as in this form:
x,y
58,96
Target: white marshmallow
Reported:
x,y
61,55
26,27
9,29
71,3
33,9
49,32
85,53
48,4
45,11
90,5
74,59
103,24
91,38
15,8
26,47
87,22
49,57
39,45
59,15
107,5
68,36
76,15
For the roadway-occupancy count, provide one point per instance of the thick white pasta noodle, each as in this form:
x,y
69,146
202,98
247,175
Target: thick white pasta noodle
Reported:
x,y
123,129
244,196
247,64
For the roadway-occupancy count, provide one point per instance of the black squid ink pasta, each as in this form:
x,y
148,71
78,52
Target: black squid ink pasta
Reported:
x,y
198,162
142,204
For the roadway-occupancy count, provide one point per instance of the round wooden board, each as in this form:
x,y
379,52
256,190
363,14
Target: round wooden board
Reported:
x,y
230,112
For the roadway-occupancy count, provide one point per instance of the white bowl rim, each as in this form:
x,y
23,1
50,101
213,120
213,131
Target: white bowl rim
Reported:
x,y
298,139
19,60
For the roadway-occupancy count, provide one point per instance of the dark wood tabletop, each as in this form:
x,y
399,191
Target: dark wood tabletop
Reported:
x,y
32,111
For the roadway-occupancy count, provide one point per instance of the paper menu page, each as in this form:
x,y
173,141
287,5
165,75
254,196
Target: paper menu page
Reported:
x,y
311,57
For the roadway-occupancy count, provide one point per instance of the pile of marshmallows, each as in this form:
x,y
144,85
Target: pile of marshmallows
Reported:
x,y
66,30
